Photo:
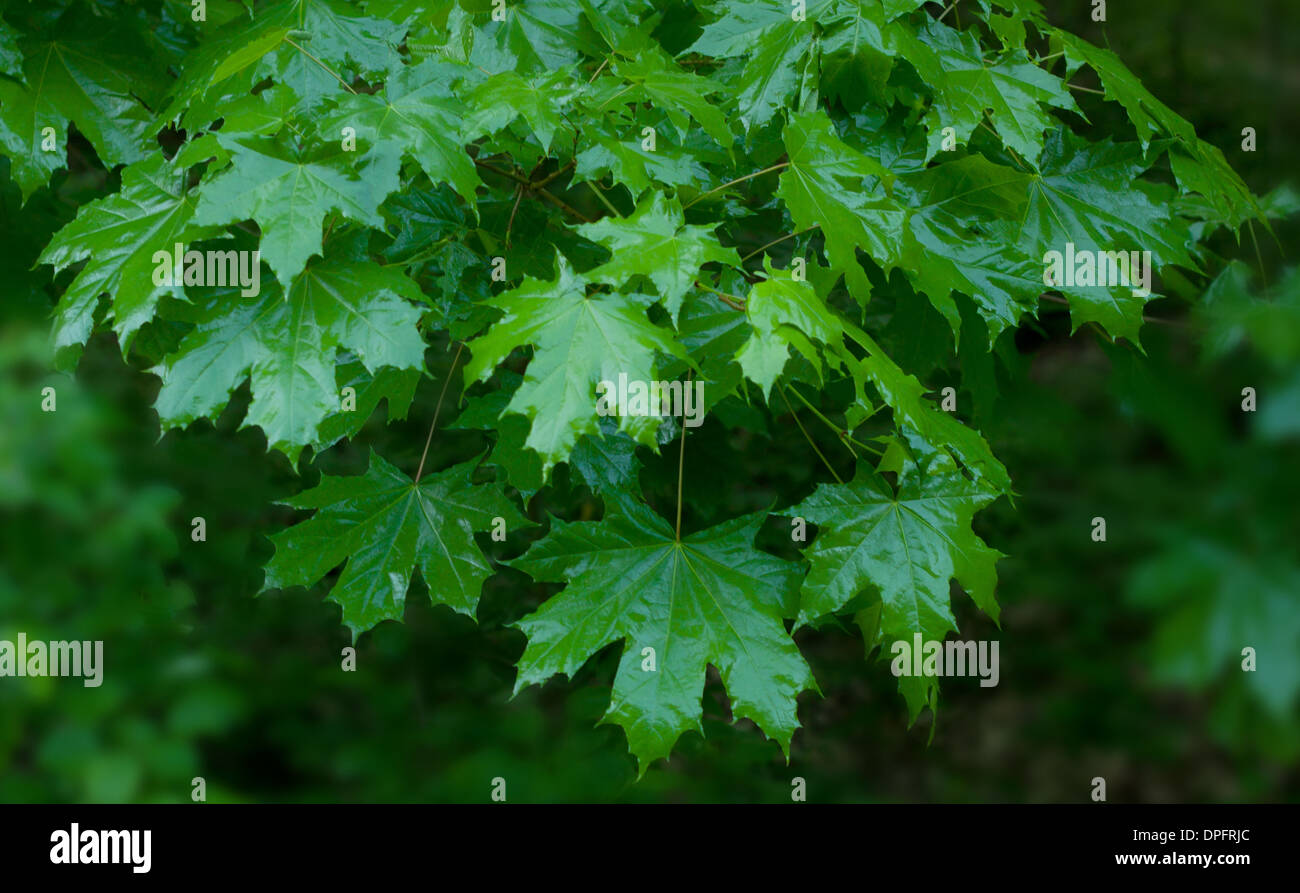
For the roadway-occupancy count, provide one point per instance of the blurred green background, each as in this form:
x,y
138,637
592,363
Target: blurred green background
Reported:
x,y
1118,659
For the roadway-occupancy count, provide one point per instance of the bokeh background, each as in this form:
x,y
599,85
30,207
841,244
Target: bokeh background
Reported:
x,y
1118,659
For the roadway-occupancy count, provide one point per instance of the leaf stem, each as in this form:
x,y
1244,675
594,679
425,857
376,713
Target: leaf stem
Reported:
x,y
681,466
560,171
600,194
775,167
808,436
1263,274
778,241
735,302
843,435
436,411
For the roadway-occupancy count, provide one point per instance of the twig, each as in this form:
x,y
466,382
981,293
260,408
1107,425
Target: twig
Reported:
x,y
510,224
558,172
532,187
735,302
1164,322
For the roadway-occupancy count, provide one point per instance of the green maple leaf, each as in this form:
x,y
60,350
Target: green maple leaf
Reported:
x,y
382,524
681,95
1013,89
332,31
76,81
417,115
1149,115
1201,168
257,114
826,185
963,234
773,43
654,241
1089,194
782,312
857,48
289,347
914,414
983,229
289,192
707,598
392,386
541,35
607,461
580,340
1198,166
907,545
634,166
540,101
117,235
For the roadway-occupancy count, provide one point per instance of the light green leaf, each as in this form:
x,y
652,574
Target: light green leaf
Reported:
x,y
773,43
634,166
782,311
289,192
654,241
680,94
831,185
579,340
537,36
1012,89
117,235
332,39
1149,115
540,101
417,115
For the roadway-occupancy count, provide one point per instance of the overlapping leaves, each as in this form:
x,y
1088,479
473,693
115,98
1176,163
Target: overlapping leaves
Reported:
x,y
580,340
809,128
289,346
